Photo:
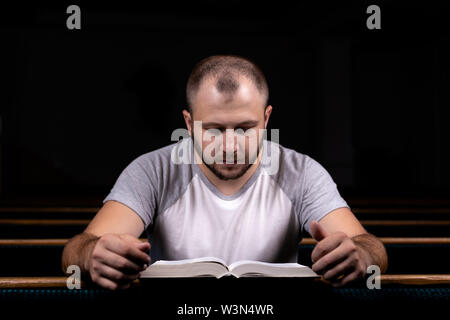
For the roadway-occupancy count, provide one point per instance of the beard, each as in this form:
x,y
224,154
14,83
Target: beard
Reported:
x,y
228,172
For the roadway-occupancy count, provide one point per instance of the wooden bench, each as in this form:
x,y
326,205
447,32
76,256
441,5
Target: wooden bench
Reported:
x,y
42,257
65,222
385,279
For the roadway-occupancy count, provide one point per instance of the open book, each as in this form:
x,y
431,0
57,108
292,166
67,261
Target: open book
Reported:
x,y
215,267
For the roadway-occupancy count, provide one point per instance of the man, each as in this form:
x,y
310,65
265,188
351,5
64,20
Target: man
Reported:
x,y
233,209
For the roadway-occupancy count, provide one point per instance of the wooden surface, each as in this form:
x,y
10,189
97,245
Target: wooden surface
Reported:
x,y
96,200
49,209
395,240
418,223
85,222
386,279
397,201
32,282
37,282
305,241
415,279
362,210
410,279
45,222
33,242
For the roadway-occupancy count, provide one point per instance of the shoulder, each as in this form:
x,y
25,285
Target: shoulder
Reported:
x,y
156,157
166,171
160,169
283,163
158,162
290,169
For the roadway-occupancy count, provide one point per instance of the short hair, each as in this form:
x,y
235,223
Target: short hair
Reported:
x,y
225,70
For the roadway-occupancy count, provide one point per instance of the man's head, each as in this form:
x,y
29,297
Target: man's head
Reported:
x,y
227,92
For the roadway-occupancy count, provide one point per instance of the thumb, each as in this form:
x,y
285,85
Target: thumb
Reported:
x,y
317,231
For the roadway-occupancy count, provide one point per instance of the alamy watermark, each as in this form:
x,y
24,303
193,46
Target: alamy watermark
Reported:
x,y
374,20
374,280
74,280
73,21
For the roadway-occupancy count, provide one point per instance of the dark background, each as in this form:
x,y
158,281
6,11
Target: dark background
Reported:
x,y
370,105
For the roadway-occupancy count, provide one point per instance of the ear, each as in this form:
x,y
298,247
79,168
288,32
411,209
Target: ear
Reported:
x,y
267,113
188,119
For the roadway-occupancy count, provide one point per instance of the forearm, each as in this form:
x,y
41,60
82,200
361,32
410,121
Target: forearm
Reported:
x,y
78,251
374,249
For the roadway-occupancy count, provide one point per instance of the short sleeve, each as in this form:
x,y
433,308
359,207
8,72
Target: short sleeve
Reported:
x,y
135,189
320,194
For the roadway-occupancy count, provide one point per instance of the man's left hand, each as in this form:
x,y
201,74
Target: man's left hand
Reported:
x,y
337,257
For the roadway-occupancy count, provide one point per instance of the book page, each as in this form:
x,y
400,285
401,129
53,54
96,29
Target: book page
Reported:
x,y
242,262
247,268
197,267
193,260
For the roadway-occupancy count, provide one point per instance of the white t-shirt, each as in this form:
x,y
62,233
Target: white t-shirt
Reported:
x,y
187,217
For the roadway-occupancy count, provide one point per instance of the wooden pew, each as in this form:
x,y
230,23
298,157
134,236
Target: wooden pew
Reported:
x,y
65,222
386,279
41,257
305,241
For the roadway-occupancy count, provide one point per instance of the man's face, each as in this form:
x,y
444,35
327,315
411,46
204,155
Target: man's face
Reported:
x,y
226,113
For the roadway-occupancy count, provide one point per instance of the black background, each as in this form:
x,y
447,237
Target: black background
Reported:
x,y
370,105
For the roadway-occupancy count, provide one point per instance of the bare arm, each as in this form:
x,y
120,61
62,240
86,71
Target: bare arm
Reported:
x,y
77,251
374,249
109,250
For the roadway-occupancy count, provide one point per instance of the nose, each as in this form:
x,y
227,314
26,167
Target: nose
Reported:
x,y
230,145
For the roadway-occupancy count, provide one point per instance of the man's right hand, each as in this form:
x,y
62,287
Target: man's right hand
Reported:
x,y
116,260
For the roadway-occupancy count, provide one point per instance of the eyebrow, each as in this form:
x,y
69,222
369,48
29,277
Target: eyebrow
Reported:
x,y
249,123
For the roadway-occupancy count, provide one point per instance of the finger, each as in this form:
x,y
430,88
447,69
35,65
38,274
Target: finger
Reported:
x,y
317,231
331,259
111,285
127,250
327,245
144,246
346,279
115,275
342,269
141,245
107,284
121,263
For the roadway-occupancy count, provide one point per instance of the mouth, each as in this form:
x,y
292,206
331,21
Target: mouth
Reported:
x,y
229,165
235,162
